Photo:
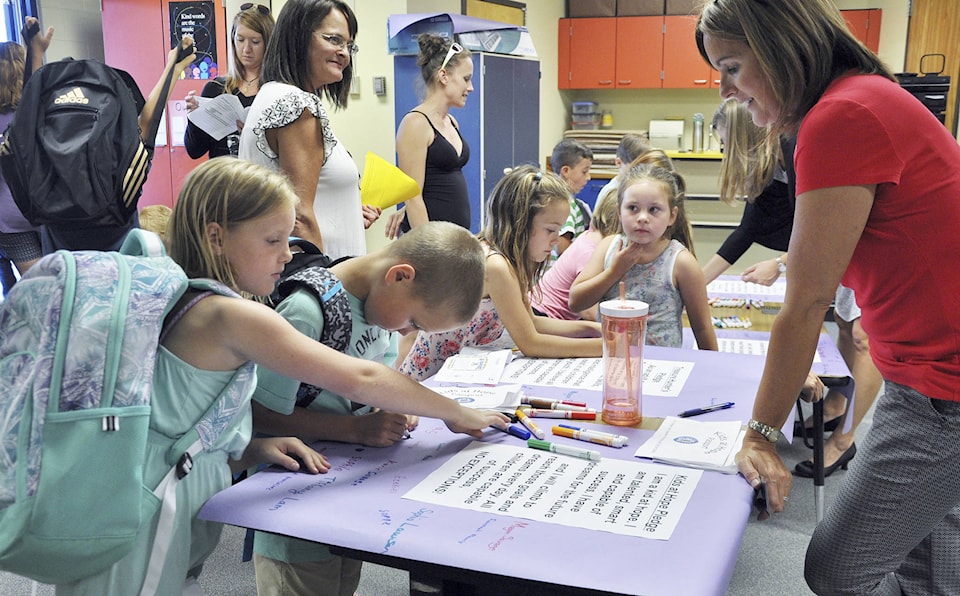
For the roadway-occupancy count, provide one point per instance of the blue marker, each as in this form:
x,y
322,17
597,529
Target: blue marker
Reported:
x,y
517,431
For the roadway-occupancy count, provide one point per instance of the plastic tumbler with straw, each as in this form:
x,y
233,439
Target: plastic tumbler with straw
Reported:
x,y
624,326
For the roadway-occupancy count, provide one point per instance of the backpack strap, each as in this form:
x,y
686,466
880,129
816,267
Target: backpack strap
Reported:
x,y
142,243
183,450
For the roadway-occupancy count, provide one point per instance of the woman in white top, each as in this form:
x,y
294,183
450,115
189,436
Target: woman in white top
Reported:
x,y
308,56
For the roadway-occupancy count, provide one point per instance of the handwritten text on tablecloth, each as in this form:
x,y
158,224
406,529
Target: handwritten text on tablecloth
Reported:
x,y
631,498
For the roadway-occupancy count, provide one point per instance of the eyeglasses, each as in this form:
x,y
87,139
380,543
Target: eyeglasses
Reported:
x,y
341,43
264,10
455,48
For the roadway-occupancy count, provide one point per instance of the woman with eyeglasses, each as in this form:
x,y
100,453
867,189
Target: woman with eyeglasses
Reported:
x,y
430,148
249,36
310,59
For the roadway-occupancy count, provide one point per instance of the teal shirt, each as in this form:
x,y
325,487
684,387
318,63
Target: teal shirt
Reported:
x,y
279,393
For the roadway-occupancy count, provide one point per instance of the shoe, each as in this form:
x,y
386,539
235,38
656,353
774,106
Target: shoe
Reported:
x,y
805,468
828,426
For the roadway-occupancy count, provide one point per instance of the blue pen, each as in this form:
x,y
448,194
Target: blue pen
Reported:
x,y
517,431
704,410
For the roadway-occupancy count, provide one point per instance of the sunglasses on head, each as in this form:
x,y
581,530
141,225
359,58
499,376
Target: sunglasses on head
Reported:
x,y
264,10
455,48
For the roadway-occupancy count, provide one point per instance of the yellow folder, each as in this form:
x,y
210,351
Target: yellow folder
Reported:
x,y
384,184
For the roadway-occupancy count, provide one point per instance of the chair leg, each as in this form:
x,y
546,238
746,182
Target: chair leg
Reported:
x,y
818,479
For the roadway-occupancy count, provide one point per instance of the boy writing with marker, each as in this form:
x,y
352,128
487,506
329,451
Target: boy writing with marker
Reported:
x,y
430,278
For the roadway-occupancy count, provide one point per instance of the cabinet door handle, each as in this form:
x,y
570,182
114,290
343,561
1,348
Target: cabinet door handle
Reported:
x,y
700,81
605,82
624,82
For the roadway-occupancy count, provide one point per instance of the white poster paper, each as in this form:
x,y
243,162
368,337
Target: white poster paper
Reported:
x,y
623,497
660,377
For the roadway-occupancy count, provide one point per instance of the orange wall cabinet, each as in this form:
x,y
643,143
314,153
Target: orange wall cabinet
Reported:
x,y
683,67
865,25
631,53
639,52
587,50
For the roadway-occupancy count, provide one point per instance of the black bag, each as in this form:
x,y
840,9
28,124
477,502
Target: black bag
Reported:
x,y
308,270
72,156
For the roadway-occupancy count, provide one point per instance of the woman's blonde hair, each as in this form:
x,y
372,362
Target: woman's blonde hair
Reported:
x,y
258,22
749,160
226,191
674,186
513,203
12,60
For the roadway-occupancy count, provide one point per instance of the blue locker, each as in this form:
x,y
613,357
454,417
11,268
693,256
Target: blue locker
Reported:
x,y
501,121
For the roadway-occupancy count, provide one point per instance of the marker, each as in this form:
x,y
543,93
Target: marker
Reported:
x,y
569,415
530,424
543,402
564,449
599,433
591,436
513,429
704,410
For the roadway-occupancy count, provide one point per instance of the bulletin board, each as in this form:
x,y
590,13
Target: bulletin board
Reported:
x,y
197,19
504,11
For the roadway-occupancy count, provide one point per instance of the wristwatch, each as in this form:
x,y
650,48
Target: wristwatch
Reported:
x,y
769,433
781,266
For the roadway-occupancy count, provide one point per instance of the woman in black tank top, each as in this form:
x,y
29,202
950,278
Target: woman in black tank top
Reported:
x,y
429,146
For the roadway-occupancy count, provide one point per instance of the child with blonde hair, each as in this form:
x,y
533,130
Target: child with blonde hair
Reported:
x,y
525,213
651,259
230,224
154,218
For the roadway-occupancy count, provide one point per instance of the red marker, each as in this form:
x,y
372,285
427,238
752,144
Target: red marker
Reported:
x,y
568,414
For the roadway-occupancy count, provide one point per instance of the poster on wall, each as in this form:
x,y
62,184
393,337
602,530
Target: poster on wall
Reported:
x,y
196,19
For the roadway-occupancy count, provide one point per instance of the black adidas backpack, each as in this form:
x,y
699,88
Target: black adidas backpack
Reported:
x,y
72,156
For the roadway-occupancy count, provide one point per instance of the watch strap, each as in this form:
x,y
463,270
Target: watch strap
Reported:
x,y
769,433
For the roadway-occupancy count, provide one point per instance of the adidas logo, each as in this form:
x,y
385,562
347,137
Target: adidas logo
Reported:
x,y
75,95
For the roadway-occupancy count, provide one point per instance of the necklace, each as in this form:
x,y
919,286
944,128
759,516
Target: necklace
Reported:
x,y
247,84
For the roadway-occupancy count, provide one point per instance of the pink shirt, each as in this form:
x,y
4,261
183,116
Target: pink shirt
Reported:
x,y
555,283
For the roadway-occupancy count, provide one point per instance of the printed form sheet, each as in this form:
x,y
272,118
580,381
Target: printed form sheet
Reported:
x,y
636,499
660,377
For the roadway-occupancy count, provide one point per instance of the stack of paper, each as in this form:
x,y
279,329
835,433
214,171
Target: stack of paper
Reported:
x,y
695,444
501,397
474,367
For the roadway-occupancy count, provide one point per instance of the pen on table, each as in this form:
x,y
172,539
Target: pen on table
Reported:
x,y
568,414
590,436
599,433
705,409
564,449
513,429
554,404
530,424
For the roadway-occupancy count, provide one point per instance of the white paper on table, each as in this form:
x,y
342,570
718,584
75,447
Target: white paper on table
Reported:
x,y
474,366
695,444
639,499
217,116
483,397
660,377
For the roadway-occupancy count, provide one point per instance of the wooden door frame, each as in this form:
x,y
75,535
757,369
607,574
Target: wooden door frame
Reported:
x,y
929,33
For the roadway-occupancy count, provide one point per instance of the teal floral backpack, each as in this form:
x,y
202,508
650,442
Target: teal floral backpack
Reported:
x,y
78,342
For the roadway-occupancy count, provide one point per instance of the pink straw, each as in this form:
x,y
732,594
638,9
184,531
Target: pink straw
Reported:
x,y
626,340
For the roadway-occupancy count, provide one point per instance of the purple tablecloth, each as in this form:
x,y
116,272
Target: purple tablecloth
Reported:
x,y
359,505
